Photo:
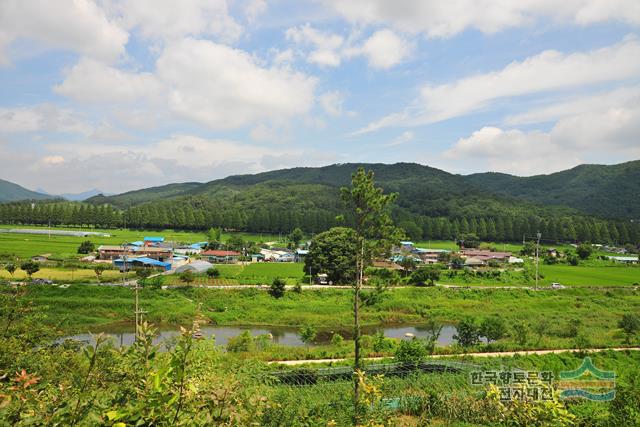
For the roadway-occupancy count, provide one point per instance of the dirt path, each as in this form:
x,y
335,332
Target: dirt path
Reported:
x,y
490,354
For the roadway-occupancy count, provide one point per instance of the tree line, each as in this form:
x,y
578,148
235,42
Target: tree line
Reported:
x,y
202,215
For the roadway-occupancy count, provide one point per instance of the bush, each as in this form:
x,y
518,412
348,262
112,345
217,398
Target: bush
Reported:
x,y
278,287
584,250
187,277
520,333
381,344
467,333
424,276
337,339
630,324
241,344
86,247
493,328
411,351
213,272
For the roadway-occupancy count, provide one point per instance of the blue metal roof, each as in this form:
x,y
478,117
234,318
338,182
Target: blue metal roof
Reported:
x,y
144,261
137,243
154,239
199,245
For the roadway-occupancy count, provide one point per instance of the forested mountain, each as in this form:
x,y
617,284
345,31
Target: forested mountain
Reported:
x,y
10,192
431,204
606,191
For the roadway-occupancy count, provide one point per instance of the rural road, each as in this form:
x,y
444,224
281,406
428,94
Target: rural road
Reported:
x,y
490,354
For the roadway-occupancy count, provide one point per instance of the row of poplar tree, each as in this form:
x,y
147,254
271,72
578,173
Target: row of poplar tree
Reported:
x,y
281,220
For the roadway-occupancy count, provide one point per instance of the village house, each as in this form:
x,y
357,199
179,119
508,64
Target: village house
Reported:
x,y
220,257
111,252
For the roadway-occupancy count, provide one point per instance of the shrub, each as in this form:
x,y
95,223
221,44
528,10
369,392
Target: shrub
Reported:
x,y
307,334
520,333
187,276
630,324
241,344
467,333
213,272
337,339
381,344
584,250
278,287
493,328
86,247
411,351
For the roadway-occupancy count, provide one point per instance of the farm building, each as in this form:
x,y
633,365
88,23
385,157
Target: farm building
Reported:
x,y
195,267
624,259
220,256
109,252
141,262
153,241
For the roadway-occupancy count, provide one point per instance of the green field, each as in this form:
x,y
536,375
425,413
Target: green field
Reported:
x,y
80,308
590,276
60,247
62,275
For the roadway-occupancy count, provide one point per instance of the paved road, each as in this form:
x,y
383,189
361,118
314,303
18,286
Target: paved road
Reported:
x,y
490,354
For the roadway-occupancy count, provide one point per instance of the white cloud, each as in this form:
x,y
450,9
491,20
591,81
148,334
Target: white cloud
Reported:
x,y
177,158
76,25
94,82
225,88
326,46
332,102
608,133
577,105
448,18
168,20
383,49
403,138
42,117
545,72
254,8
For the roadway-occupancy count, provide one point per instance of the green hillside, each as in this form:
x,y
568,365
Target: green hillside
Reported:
x,y
10,192
605,191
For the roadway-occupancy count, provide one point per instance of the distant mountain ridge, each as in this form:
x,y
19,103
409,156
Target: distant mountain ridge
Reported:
x,y
10,192
605,191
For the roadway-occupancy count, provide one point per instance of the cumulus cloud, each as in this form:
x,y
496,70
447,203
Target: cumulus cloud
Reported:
x,y
42,117
384,49
177,158
548,71
332,102
225,88
77,25
325,46
168,20
254,8
95,82
446,19
607,133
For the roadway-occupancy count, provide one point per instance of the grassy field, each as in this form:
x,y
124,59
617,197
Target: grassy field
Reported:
x,y
80,308
249,274
28,245
590,276
66,275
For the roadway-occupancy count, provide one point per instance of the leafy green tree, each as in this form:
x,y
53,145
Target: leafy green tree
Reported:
x,y
307,334
333,253
99,269
469,240
143,273
467,333
540,328
277,289
296,236
529,248
520,333
337,339
630,325
584,250
375,234
411,229
213,272
30,268
426,275
408,264
235,243
493,328
11,268
86,247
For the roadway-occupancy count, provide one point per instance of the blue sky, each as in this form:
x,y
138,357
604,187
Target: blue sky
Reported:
x,y
126,94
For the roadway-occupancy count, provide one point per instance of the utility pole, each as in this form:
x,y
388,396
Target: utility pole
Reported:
x,y
538,235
